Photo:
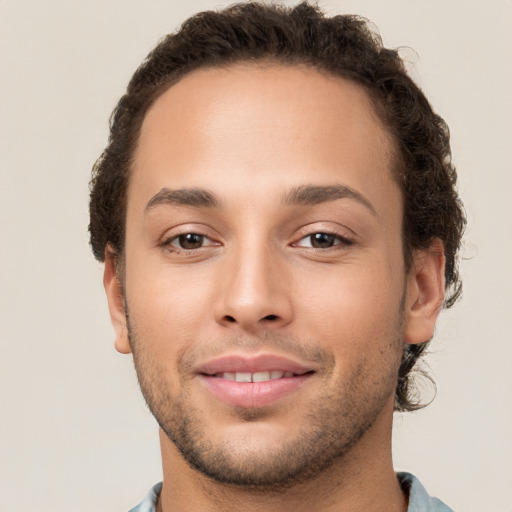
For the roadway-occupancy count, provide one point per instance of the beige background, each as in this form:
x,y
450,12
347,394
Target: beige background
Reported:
x,y
74,432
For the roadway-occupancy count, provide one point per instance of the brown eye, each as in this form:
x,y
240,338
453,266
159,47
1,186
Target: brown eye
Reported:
x,y
322,240
189,241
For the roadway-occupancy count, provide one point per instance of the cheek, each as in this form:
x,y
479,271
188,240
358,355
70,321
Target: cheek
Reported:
x,y
351,308
363,331
168,306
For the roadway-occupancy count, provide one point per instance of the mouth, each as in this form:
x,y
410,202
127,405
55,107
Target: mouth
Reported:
x,y
253,382
263,376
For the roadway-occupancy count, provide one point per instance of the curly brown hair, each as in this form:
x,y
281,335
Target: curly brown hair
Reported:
x,y
344,46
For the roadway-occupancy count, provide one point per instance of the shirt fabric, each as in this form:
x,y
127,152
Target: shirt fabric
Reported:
x,y
419,500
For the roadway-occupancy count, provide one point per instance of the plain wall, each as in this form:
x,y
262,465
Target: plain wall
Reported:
x,y
74,431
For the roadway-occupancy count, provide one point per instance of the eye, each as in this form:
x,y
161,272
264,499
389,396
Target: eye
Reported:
x,y
189,241
323,241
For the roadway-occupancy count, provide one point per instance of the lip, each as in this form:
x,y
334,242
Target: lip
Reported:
x,y
252,364
252,394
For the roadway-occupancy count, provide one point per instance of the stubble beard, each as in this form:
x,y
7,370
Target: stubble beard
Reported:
x,y
334,424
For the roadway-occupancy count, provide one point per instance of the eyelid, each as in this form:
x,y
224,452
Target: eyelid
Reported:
x,y
171,239
346,235
343,240
173,234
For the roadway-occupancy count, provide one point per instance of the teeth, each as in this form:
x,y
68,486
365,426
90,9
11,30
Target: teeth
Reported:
x,y
255,377
260,376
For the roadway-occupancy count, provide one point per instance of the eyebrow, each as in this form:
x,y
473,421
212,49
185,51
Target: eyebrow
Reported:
x,y
302,195
316,194
197,197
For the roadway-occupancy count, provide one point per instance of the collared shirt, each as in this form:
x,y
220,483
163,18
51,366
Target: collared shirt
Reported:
x,y
419,500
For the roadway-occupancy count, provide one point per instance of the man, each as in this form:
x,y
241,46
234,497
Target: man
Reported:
x,y
278,220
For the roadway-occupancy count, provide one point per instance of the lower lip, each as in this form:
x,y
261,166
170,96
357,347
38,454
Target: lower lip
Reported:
x,y
253,394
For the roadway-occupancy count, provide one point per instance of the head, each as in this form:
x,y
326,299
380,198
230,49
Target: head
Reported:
x,y
259,157
341,46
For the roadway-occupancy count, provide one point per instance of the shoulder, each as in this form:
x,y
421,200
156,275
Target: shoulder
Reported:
x,y
419,500
148,504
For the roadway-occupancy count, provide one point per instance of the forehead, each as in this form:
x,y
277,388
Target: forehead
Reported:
x,y
231,127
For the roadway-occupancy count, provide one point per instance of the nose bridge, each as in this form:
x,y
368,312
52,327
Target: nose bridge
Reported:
x,y
254,294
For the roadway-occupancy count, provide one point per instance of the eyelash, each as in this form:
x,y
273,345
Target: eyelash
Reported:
x,y
168,243
338,242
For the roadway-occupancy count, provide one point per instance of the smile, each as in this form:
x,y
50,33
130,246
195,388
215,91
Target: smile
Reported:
x,y
254,377
253,381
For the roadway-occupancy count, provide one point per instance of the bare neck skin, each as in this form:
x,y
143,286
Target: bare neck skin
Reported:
x,y
364,480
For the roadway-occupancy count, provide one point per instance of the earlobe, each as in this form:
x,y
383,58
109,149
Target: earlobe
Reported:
x,y
114,291
425,292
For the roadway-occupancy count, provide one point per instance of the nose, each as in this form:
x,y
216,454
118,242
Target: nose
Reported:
x,y
254,293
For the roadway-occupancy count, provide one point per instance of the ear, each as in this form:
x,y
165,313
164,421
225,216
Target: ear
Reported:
x,y
114,291
425,292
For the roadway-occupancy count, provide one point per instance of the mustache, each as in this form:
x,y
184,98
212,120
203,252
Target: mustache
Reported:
x,y
280,344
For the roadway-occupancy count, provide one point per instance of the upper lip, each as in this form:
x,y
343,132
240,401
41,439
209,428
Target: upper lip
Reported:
x,y
252,364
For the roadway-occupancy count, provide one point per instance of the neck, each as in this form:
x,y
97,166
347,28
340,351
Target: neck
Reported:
x,y
361,480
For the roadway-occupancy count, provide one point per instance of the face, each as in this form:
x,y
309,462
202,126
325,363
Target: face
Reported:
x,y
265,292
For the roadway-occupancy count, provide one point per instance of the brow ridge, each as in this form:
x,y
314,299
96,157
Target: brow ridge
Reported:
x,y
197,197
301,195
316,194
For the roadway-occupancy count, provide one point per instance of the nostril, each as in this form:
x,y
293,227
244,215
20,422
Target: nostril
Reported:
x,y
268,318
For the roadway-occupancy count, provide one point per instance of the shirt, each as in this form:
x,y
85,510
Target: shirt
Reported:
x,y
419,500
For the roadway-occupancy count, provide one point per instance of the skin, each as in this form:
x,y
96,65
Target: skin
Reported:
x,y
255,283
